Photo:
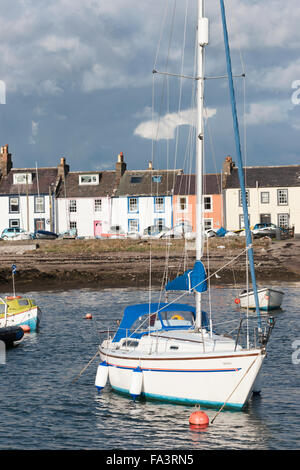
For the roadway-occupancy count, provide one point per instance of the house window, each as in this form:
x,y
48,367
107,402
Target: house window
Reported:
x,y
73,225
265,197
22,178
98,205
14,223
247,198
39,204
283,220
182,203
133,225
72,205
159,223
207,203
242,222
159,204
265,218
282,197
136,179
156,179
89,179
14,205
133,204
208,224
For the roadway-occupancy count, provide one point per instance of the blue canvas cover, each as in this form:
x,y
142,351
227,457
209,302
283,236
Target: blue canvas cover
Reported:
x,y
193,279
221,232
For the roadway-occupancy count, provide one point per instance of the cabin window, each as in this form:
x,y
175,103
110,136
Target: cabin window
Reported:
x,y
2,308
23,302
282,197
130,343
14,205
177,318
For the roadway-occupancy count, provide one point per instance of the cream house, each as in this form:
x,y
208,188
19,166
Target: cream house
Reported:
x,y
273,195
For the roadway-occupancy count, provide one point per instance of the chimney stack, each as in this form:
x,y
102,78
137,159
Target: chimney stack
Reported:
x,y
228,165
63,168
120,165
5,161
150,167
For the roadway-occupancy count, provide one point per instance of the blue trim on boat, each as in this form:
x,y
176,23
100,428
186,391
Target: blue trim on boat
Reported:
x,y
175,370
181,401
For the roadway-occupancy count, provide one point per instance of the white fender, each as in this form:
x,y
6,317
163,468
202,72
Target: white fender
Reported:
x,y
102,375
136,382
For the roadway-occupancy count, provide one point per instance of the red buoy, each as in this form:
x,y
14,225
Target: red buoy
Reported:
x,y
237,301
199,418
88,316
25,328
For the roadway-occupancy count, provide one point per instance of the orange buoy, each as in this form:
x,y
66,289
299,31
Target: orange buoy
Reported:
x,y
25,328
88,316
199,418
237,301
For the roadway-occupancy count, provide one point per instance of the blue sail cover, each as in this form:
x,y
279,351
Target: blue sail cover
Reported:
x,y
193,279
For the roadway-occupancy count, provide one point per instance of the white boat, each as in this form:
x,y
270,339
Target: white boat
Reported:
x,y
19,311
269,299
168,351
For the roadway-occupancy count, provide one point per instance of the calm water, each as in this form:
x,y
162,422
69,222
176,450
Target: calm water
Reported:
x,y
42,408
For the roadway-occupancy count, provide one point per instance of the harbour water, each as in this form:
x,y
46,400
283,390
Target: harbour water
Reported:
x,y
45,405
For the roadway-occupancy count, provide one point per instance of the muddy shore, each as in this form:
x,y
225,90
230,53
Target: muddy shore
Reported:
x,y
71,264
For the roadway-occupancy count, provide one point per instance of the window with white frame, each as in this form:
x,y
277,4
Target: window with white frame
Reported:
x,y
159,204
39,204
182,203
242,221
14,223
265,197
208,224
89,179
22,178
73,225
283,220
72,205
97,205
159,223
14,205
207,203
133,225
133,204
247,198
282,197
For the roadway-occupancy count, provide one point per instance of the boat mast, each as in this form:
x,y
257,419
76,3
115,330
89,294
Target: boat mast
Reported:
x,y
202,41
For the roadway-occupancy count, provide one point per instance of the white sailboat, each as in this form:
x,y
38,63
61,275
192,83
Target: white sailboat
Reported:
x,y
269,299
168,351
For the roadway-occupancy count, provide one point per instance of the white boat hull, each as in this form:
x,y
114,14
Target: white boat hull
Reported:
x,y
207,379
29,317
269,299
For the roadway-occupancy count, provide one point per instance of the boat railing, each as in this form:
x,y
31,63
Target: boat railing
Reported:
x,y
5,310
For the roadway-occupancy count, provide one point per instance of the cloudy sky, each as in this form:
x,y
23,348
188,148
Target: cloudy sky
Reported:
x,y
76,81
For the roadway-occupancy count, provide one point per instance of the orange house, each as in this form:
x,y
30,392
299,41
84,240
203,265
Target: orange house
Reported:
x,y
184,201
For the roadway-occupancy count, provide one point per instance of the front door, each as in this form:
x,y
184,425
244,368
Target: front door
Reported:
x,y
39,224
97,228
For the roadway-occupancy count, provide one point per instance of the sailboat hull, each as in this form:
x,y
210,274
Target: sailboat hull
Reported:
x,y
209,380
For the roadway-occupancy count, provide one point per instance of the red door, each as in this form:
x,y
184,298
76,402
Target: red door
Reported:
x,y
97,228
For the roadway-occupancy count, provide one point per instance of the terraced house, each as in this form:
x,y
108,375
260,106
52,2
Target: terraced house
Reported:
x,y
273,195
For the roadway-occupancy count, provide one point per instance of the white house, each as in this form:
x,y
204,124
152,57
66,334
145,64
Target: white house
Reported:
x,y
26,195
273,195
144,198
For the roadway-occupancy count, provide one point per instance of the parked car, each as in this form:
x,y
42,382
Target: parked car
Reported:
x,y
15,233
267,230
155,231
178,231
115,231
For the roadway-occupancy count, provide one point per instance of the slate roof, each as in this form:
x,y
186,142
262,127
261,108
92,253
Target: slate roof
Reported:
x,y
39,185
74,189
266,177
186,184
147,183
